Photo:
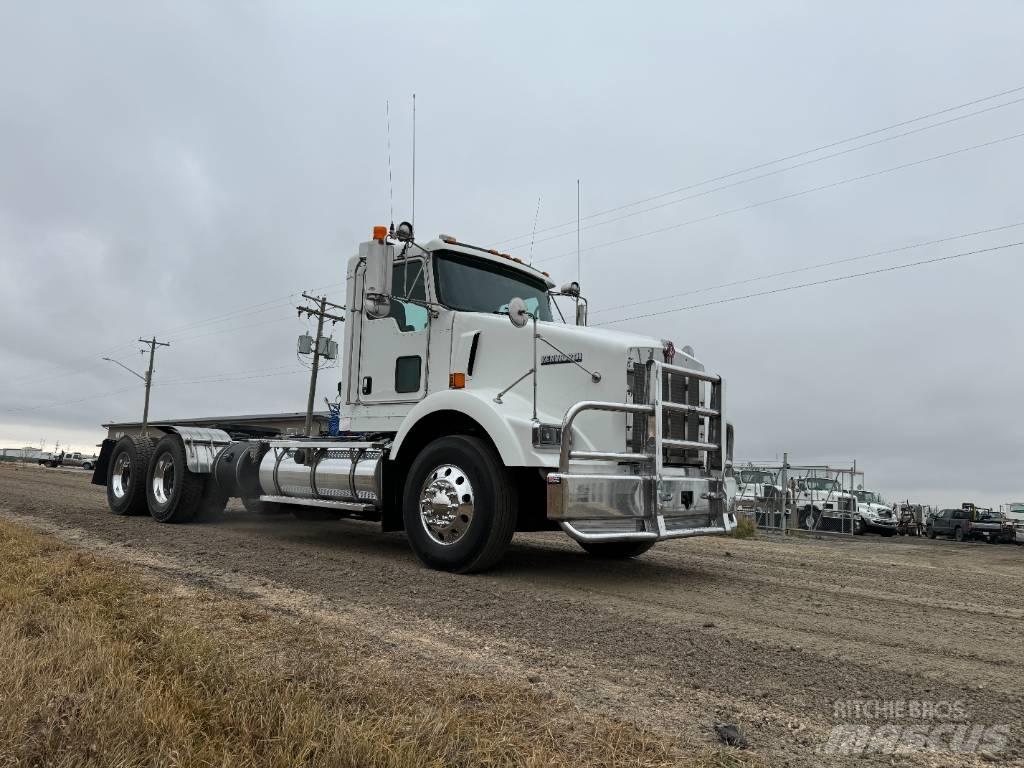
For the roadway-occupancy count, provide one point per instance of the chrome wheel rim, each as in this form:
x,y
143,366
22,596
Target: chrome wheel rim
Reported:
x,y
163,479
447,503
121,479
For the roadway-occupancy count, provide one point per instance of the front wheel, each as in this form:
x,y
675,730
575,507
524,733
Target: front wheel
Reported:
x,y
616,550
958,534
459,506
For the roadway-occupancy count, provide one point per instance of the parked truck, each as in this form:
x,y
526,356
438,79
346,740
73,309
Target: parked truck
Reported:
x,y
823,505
469,412
67,459
874,515
971,522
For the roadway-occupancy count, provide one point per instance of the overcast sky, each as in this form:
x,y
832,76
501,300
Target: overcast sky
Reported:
x,y
163,165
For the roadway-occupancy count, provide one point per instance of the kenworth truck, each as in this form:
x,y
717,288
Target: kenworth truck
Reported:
x,y
470,410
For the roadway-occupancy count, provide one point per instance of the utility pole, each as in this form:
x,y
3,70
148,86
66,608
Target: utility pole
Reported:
x,y
153,344
321,314
148,378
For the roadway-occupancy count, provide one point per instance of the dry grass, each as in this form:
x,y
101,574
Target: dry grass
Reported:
x,y
745,528
103,666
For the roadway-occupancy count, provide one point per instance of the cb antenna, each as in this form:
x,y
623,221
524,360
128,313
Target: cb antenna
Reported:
x,y
534,235
579,267
413,162
391,187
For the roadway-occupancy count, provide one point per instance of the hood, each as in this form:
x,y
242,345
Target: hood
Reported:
x,y
875,510
567,356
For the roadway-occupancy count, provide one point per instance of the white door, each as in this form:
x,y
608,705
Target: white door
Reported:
x,y
393,349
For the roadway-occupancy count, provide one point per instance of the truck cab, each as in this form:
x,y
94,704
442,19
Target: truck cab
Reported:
x,y
822,504
873,514
471,408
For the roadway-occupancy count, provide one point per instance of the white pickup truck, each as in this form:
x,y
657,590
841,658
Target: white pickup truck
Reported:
x,y
75,459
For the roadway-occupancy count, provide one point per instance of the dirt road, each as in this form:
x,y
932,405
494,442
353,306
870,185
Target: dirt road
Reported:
x,y
781,637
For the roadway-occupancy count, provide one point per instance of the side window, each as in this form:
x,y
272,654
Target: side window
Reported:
x,y
407,373
407,282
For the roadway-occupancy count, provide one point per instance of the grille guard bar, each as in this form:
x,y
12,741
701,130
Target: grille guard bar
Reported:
x,y
646,503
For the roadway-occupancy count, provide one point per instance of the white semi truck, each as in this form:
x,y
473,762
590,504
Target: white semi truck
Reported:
x,y
470,411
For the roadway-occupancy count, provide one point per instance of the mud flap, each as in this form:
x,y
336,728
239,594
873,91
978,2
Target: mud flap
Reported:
x,y
99,472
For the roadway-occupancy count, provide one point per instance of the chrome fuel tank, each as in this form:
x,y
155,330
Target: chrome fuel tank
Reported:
x,y
327,471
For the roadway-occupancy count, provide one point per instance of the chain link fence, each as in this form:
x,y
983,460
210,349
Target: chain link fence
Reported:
x,y
812,497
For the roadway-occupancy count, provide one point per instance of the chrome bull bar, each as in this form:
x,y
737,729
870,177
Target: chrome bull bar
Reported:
x,y
645,501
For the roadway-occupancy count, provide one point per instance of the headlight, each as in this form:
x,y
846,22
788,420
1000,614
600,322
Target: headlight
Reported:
x,y
547,436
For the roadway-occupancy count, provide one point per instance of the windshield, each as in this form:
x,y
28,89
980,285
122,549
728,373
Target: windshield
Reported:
x,y
819,484
475,285
867,497
755,477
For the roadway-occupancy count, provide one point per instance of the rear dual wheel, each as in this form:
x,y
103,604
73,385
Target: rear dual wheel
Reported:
x,y
175,494
126,475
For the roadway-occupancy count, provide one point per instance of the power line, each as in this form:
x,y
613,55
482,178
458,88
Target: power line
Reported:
x,y
72,402
811,267
783,159
787,288
777,171
213,379
793,195
69,368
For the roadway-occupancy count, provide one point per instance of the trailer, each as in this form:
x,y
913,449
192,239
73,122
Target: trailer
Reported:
x,y
470,409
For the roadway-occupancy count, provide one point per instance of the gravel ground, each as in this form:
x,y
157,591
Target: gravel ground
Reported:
x,y
769,634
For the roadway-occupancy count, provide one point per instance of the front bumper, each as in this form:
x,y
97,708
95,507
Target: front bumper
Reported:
x,y
595,507
879,524
639,499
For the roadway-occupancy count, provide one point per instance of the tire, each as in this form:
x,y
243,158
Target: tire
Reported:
x,y
126,475
858,527
87,465
616,550
930,532
479,527
173,493
807,521
958,534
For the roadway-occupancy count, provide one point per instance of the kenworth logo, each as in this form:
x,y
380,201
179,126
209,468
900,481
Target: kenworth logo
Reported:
x,y
575,357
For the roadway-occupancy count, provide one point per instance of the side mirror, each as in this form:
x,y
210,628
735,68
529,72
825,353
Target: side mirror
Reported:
x,y
581,312
518,313
379,257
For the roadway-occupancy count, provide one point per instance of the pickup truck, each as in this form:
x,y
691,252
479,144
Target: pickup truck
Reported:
x,y
970,522
71,460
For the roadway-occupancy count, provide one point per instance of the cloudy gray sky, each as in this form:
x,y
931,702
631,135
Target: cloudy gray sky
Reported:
x,y
181,168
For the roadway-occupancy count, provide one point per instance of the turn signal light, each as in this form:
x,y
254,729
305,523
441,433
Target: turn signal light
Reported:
x,y
456,381
380,232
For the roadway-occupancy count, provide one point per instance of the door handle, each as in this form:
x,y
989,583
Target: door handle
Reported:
x,y
367,384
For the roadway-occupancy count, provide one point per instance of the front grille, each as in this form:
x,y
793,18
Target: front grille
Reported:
x,y
680,426
675,388
636,381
